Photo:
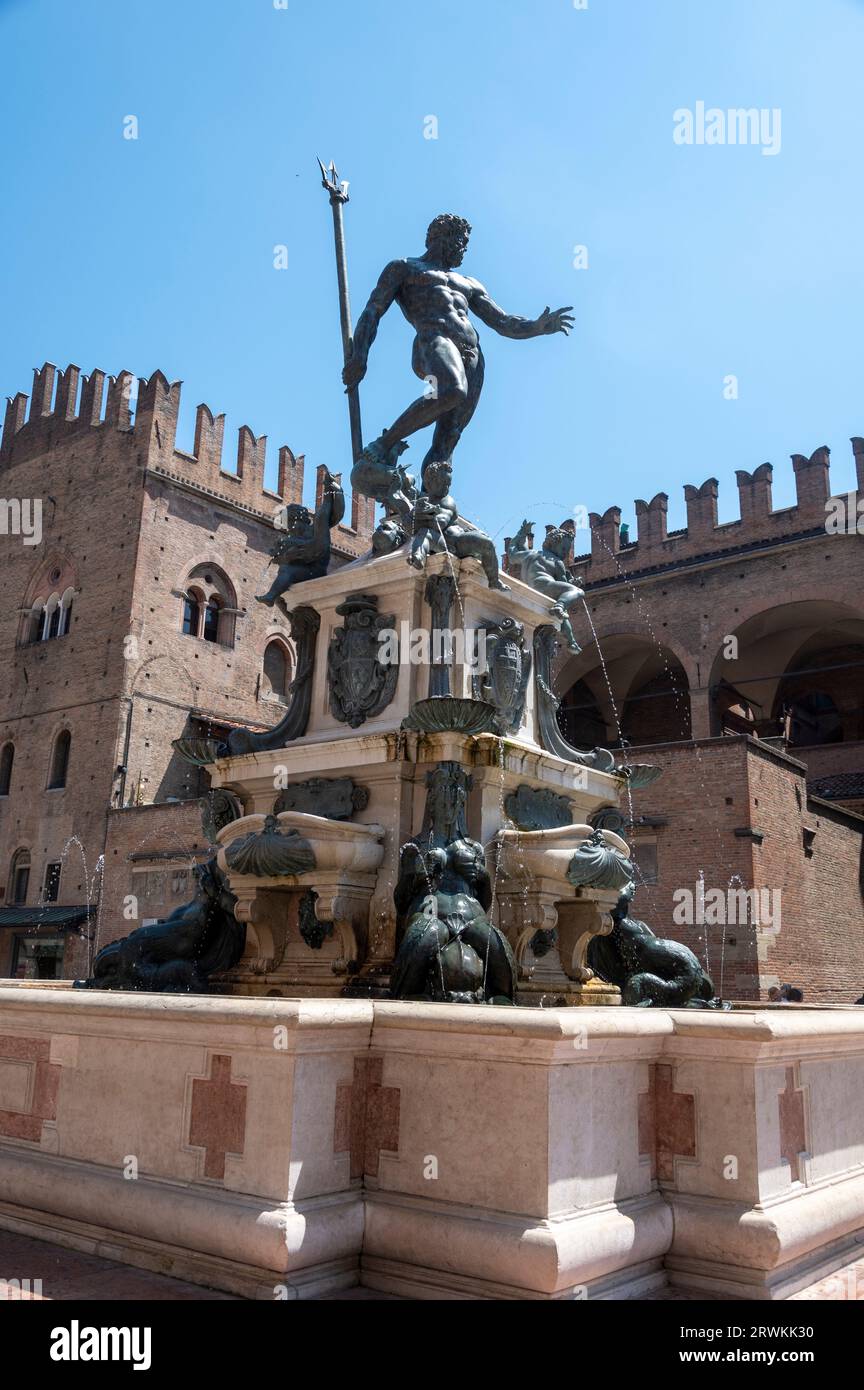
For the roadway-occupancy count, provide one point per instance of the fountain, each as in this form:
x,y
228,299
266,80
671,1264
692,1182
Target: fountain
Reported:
x,y
416,825
351,1058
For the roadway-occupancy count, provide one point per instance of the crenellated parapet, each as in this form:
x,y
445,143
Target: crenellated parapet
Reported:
x,y
605,535
651,518
65,405
654,546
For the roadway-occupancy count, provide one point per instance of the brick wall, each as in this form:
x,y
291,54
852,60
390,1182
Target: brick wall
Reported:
x,y
150,852
711,789
89,479
126,516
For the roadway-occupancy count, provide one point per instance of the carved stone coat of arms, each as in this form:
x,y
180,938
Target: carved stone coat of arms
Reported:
x,y
508,670
360,684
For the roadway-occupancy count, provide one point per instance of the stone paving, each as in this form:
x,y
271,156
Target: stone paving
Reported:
x,y
74,1275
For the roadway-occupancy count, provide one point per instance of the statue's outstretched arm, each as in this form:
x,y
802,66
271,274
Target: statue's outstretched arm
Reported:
x,y
367,325
511,325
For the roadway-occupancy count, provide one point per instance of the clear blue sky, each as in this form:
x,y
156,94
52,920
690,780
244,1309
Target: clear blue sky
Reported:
x,y
554,129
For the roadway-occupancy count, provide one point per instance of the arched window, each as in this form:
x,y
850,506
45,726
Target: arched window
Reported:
x,y
192,613
60,760
813,719
46,612
51,886
65,620
277,672
7,760
209,606
50,617
19,877
212,611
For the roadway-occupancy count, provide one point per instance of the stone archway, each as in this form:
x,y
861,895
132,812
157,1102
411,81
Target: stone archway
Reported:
x,y
638,693
793,663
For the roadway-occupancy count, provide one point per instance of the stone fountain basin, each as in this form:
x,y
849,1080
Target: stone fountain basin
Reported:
x,y
547,853
336,844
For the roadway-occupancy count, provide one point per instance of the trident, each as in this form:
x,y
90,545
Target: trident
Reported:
x,y
338,195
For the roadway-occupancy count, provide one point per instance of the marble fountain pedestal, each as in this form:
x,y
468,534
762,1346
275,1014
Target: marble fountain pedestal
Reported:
x,y
332,930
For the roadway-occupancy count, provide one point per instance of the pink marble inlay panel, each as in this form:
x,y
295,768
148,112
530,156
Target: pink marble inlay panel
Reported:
x,y
667,1122
367,1117
15,1124
218,1116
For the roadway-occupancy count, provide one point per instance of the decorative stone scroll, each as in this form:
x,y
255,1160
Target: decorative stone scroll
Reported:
x,y
218,809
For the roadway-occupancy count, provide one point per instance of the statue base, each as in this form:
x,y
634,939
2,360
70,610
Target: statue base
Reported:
x,y
355,784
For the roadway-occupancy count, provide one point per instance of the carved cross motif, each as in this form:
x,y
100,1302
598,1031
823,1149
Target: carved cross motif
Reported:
x,y
667,1123
793,1126
217,1122
367,1117
41,1086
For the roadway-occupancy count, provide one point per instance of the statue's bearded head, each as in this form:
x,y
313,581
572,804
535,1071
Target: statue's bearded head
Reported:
x,y
447,238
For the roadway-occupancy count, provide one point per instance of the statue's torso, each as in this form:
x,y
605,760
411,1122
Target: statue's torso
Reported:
x,y
458,909
436,302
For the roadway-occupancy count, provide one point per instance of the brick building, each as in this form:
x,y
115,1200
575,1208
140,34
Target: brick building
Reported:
x,y
135,608
733,656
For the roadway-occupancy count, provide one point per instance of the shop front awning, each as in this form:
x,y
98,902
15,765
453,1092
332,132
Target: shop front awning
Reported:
x,y
51,917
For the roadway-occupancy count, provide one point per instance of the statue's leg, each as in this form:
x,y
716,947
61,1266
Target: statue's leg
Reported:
x,y
286,575
436,361
420,945
420,549
474,545
448,430
499,966
567,632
